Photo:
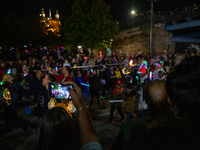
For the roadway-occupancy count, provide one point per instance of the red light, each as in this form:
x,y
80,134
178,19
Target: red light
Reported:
x,y
40,48
26,51
164,51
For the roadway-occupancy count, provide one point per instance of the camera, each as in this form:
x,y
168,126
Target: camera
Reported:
x,y
60,91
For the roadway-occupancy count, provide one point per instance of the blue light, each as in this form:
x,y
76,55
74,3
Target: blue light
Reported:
x,y
85,84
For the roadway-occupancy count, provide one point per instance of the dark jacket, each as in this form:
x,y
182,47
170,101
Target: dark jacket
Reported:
x,y
43,98
94,82
14,91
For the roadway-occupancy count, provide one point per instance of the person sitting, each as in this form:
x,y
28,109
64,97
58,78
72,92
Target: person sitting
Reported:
x,y
59,129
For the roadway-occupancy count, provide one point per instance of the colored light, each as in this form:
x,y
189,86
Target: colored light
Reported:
x,y
131,62
40,48
1,83
45,48
26,51
8,71
150,76
25,46
85,84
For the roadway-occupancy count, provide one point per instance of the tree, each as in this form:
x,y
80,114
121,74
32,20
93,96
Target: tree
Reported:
x,y
90,24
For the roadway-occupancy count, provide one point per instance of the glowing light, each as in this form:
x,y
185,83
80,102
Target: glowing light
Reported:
x,y
26,51
131,63
100,55
0,47
40,48
79,47
45,48
133,12
137,77
150,76
8,71
164,51
1,83
124,71
85,84
25,46
161,62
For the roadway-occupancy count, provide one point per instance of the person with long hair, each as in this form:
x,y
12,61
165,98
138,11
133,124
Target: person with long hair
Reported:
x,y
59,128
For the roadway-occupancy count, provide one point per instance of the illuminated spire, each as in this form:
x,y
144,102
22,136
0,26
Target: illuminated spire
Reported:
x,y
57,15
50,14
43,14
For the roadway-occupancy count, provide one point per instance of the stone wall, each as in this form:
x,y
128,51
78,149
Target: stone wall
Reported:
x,y
129,41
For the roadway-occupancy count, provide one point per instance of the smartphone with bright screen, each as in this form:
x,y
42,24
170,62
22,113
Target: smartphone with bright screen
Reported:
x,y
60,91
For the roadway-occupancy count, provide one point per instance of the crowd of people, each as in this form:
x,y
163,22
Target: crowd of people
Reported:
x,y
154,95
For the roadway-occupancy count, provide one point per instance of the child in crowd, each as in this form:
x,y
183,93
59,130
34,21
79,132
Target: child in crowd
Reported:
x,y
118,94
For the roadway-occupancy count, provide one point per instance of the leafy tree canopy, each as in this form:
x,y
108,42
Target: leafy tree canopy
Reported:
x,y
90,24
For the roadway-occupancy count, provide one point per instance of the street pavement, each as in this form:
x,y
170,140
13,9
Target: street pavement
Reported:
x,y
25,139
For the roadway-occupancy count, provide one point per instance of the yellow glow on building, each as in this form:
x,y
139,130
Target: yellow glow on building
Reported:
x,y
49,24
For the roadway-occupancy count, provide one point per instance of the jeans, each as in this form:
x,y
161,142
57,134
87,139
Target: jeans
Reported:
x,y
112,109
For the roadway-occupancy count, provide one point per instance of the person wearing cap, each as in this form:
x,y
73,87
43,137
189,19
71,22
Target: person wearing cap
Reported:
x,y
143,79
118,95
162,68
157,69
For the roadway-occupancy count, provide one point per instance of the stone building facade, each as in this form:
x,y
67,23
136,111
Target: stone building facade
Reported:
x,y
131,40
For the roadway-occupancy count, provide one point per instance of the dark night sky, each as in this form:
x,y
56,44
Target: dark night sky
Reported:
x,y
120,9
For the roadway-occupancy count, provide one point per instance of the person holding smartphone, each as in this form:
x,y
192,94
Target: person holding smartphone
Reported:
x,y
65,135
42,89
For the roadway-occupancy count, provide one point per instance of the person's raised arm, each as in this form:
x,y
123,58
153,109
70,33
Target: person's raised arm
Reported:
x,y
88,133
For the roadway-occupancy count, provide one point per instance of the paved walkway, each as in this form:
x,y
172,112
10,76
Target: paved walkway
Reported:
x,y
21,139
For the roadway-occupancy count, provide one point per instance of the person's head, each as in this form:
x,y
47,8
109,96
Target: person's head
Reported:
x,y
47,79
117,69
58,131
156,96
161,74
66,71
183,86
111,68
44,58
2,64
118,84
161,63
39,74
66,61
10,78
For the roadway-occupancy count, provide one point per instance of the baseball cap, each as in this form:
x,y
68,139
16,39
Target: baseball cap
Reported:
x,y
119,82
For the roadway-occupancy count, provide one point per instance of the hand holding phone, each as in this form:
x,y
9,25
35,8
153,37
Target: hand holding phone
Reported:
x,y
76,95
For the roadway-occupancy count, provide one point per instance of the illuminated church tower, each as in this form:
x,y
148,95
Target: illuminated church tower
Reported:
x,y
49,24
